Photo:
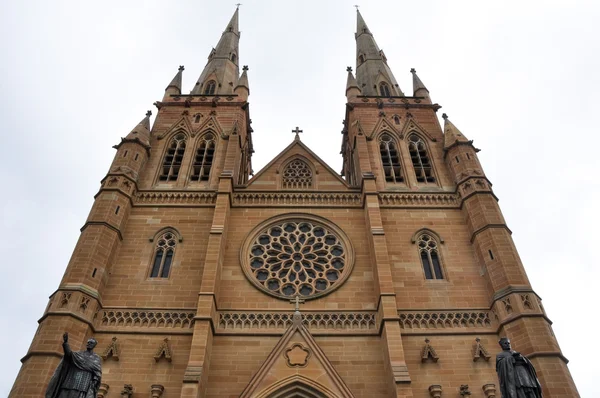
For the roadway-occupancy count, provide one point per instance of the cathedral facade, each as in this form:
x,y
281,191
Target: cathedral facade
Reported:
x,y
393,278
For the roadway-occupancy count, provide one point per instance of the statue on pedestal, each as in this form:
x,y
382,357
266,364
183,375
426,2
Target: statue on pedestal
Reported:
x,y
78,374
516,374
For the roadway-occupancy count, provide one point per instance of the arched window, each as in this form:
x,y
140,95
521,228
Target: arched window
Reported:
x,y
384,90
204,158
396,119
233,58
297,175
163,255
420,159
430,258
361,59
390,159
173,158
210,88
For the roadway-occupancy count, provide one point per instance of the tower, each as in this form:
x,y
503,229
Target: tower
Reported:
x,y
394,278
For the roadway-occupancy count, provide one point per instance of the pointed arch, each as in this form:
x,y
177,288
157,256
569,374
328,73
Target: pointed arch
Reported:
x,y
297,386
385,89
173,157
165,245
182,124
297,173
210,87
204,156
390,158
428,243
420,158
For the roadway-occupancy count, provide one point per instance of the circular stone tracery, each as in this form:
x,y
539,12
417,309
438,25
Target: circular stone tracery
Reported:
x,y
301,257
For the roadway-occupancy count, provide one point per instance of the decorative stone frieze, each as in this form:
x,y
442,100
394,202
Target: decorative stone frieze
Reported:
x,y
412,200
445,319
146,318
155,198
296,199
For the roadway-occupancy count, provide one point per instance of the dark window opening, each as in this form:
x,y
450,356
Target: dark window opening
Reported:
x,y
233,58
163,256
117,210
420,159
94,272
125,154
210,88
457,160
173,158
491,254
137,155
430,259
204,159
468,157
197,119
384,90
390,159
397,119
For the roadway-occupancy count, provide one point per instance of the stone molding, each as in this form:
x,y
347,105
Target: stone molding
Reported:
x,y
445,200
414,322
153,198
317,322
109,318
258,199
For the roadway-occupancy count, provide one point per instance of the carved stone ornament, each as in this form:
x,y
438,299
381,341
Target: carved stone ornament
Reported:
x,y
156,390
435,391
480,351
428,353
163,351
102,390
112,351
297,355
489,390
299,255
464,390
127,391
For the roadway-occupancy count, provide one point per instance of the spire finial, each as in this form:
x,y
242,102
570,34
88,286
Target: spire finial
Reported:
x,y
412,70
349,69
245,68
444,116
297,131
149,113
356,5
237,6
181,68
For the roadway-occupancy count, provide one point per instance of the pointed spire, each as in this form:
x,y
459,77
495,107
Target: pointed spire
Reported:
x,y
419,89
222,67
174,88
452,135
243,88
352,89
140,133
371,64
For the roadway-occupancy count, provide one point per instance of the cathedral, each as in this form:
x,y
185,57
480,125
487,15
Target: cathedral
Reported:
x,y
198,278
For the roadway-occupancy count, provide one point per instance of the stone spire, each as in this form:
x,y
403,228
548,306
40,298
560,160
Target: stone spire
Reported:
x,y
419,89
371,63
222,66
140,134
174,88
452,135
352,89
243,88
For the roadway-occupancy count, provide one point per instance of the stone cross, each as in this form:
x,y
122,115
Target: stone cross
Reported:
x,y
297,301
238,5
297,131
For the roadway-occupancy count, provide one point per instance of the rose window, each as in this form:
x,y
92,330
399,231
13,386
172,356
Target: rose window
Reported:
x,y
297,257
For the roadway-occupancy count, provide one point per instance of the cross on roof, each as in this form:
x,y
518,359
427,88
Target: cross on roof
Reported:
x,y
238,5
356,5
297,301
297,131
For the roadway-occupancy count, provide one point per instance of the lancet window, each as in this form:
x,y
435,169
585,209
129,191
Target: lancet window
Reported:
x,y
297,175
163,255
430,258
420,159
203,159
210,88
384,90
173,157
390,159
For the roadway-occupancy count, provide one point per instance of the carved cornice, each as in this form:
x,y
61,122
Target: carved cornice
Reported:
x,y
170,198
258,199
458,321
412,200
334,322
111,318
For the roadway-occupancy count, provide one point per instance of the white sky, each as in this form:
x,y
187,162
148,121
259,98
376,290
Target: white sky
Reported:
x,y
520,78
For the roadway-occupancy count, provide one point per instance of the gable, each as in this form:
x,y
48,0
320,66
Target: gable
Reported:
x,y
297,364
322,177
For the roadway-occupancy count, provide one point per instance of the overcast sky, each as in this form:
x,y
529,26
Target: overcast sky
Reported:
x,y
520,78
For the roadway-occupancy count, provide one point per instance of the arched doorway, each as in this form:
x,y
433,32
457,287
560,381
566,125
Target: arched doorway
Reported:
x,y
297,387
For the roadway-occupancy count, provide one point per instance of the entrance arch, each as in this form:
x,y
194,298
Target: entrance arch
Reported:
x,y
297,386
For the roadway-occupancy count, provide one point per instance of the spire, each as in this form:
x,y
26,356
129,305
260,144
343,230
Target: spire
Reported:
x,y
243,88
452,135
220,75
419,89
174,88
352,89
371,64
140,133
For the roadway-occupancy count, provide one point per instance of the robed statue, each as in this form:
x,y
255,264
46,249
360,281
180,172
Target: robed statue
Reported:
x,y
78,373
516,374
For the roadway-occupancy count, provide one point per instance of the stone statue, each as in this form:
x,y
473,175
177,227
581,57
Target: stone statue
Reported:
x,y
516,374
78,373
